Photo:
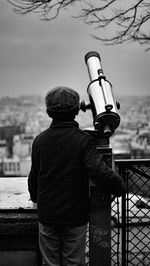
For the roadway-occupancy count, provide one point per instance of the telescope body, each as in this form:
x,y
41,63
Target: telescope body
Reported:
x,y
103,105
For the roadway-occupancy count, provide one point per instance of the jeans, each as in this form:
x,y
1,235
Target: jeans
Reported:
x,y
62,245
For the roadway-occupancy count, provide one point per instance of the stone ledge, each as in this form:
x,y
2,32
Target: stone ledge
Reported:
x,y
18,223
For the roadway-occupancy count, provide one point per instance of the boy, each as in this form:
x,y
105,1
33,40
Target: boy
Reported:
x,y
63,159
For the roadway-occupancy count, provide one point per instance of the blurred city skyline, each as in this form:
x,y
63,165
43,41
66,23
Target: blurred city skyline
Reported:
x,y
36,55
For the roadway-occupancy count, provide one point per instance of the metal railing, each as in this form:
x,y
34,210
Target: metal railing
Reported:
x,y
130,237
130,216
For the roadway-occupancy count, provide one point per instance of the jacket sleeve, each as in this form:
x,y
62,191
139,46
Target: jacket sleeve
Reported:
x,y
33,175
100,173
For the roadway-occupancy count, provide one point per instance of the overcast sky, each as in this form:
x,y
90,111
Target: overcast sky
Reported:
x,y
36,56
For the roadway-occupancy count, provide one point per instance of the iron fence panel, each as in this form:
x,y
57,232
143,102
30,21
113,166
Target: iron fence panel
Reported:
x,y
130,216
132,213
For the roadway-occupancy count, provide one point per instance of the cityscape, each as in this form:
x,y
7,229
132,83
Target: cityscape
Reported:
x,y
23,117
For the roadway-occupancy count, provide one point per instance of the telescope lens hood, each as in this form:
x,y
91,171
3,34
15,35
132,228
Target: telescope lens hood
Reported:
x,y
90,54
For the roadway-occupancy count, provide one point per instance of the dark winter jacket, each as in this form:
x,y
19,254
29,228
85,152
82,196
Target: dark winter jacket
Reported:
x,y
63,157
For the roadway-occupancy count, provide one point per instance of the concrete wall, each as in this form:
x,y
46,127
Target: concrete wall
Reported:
x,y
18,224
19,239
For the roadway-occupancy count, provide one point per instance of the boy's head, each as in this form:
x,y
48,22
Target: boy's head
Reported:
x,y
62,103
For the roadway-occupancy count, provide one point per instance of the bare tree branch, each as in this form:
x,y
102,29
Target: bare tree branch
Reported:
x,y
124,23
48,9
115,21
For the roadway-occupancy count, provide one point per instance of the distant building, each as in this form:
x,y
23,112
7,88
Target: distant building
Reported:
x,y
25,165
3,149
7,133
120,144
15,166
11,166
1,168
140,145
144,136
22,145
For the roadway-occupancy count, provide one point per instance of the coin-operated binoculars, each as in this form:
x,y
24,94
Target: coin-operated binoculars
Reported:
x,y
105,120
102,103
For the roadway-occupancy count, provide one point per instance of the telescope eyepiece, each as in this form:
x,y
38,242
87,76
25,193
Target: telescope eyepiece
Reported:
x,y
90,54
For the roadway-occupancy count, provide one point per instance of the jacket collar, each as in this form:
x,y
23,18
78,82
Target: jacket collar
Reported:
x,y
63,124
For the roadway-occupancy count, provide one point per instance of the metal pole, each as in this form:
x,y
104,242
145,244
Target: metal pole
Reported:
x,y
100,216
